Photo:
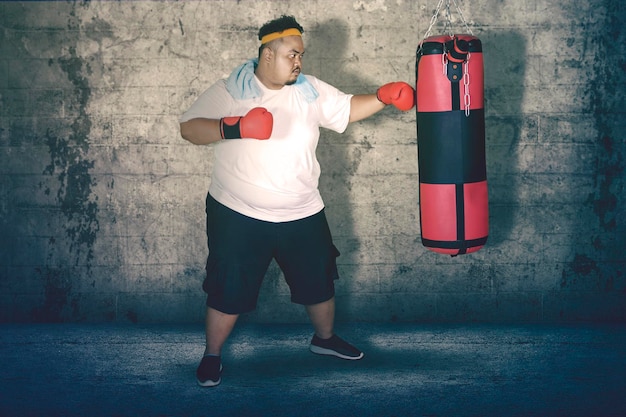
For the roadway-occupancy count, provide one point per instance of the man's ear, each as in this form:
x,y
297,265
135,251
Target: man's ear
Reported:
x,y
267,54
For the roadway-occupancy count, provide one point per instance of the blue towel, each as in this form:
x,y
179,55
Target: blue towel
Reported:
x,y
242,85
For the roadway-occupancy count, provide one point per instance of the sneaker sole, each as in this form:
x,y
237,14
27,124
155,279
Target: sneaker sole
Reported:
x,y
210,382
329,352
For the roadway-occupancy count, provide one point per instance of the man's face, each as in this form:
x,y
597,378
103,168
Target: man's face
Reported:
x,y
287,63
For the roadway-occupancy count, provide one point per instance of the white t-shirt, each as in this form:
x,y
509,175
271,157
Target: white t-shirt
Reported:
x,y
274,180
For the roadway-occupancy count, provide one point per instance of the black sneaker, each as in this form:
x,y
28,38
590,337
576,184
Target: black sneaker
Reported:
x,y
335,346
209,371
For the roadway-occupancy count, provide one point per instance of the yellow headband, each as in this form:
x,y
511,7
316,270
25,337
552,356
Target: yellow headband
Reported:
x,y
287,32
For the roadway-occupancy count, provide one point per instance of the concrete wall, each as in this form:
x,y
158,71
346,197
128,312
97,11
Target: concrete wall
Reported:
x,y
102,202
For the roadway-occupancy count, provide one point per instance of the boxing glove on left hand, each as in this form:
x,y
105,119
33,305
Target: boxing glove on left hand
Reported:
x,y
256,124
400,94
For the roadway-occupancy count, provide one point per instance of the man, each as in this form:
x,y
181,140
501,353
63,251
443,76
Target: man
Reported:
x,y
263,201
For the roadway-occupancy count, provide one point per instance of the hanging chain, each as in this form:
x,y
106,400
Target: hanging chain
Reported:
x,y
466,83
448,23
458,9
433,19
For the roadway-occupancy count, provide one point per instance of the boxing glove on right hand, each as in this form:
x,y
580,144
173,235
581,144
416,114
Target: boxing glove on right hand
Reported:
x,y
256,124
400,94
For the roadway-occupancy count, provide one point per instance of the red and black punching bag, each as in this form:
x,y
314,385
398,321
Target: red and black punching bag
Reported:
x,y
454,212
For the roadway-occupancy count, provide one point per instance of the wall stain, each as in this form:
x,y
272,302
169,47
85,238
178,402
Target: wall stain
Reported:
x,y
609,159
583,265
57,289
132,316
585,273
603,106
403,269
70,164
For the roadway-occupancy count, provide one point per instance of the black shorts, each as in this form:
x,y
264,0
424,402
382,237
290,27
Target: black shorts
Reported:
x,y
241,249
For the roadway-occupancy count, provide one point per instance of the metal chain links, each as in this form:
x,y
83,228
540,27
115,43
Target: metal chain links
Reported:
x,y
433,19
448,23
466,83
444,57
458,10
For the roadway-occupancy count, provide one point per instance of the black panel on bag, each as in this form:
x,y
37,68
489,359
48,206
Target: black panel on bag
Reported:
x,y
451,147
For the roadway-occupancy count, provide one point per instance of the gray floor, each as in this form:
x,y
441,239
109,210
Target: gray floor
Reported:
x,y
408,370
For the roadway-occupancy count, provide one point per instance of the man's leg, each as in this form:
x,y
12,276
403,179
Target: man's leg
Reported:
x,y
322,318
325,342
218,326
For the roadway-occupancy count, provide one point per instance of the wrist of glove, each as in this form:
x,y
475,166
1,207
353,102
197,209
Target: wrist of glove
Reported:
x,y
256,124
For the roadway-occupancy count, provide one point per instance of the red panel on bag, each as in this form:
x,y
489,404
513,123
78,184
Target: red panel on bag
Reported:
x,y
476,210
438,210
433,87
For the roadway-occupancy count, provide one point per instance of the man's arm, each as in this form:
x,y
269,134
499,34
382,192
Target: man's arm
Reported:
x,y
201,131
400,94
363,106
256,124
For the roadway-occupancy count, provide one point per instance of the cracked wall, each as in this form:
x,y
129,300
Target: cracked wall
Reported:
x,y
102,203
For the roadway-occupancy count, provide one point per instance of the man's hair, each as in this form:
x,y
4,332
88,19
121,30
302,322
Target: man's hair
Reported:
x,y
278,25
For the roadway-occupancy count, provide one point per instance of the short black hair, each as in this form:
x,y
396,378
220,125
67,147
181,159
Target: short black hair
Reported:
x,y
280,24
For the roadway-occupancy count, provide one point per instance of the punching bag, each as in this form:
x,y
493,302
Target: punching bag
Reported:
x,y
454,212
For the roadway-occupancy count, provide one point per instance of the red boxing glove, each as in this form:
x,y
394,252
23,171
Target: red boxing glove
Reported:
x,y
257,124
400,94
